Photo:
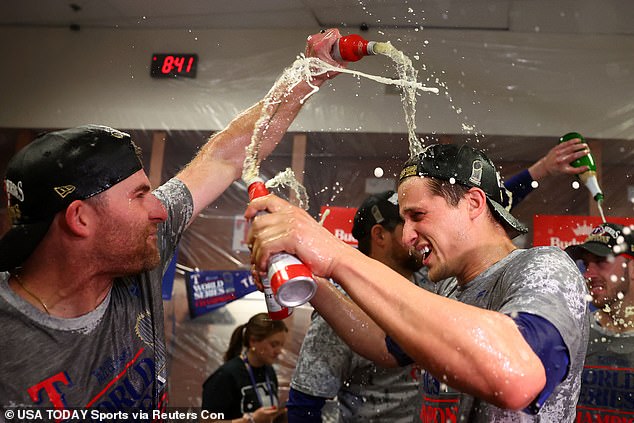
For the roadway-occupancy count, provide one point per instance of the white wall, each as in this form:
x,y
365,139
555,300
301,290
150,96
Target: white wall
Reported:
x,y
500,82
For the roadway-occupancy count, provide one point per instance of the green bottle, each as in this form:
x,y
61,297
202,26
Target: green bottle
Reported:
x,y
589,177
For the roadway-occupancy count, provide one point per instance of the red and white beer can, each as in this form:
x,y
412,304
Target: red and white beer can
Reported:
x,y
276,311
291,281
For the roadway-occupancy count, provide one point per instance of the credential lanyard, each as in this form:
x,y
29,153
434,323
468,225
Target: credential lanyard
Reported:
x,y
255,386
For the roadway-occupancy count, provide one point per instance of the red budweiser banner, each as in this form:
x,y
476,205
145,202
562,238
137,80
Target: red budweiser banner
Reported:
x,y
339,223
562,231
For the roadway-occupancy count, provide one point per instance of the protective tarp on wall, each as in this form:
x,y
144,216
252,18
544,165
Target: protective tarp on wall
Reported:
x,y
511,94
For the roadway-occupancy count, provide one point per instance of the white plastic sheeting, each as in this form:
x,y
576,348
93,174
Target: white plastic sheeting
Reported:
x,y
510,93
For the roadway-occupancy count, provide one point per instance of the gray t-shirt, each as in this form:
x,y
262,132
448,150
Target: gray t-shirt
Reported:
x,y
328,368
607,387
542,281
112,358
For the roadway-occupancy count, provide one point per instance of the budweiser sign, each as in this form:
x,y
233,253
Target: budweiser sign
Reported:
x,y
563,231
338,221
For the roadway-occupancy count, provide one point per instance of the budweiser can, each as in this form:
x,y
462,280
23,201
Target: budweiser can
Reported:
x,y
291,281
276,311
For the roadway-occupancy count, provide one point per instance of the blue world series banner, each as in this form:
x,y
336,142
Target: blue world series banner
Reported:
x,y
208,290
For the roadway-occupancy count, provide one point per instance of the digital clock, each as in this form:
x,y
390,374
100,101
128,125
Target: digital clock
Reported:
x,y
172,65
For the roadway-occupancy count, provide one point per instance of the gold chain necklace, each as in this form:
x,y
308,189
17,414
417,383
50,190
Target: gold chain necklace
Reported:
x,y
19,279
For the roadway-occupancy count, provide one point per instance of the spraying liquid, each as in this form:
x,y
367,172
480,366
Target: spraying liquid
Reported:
x,y
303,69
287,179
299,288
589,177
406,72
600,207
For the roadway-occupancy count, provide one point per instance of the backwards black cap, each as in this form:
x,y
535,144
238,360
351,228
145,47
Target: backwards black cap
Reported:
x,y
464,165
54,170
607,239
377,208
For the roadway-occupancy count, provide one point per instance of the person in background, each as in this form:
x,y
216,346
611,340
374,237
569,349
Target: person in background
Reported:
x,y
245,387
606,260
556,161
81,266
327,367
511,336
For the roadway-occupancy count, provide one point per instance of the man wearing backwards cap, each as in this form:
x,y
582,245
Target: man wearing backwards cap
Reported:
x,y
607,388
511,336
81,267
328,368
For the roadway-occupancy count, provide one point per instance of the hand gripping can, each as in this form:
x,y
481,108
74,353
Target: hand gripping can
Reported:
x,y
291,281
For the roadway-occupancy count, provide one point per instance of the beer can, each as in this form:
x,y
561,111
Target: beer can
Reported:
x,y
276,311
291,280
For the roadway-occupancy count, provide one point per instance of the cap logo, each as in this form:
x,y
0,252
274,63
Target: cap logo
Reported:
x,y
407,172
378,217
113,132
605,230
117,134
509,206
14,189
599,238
476,173
65,190
15,214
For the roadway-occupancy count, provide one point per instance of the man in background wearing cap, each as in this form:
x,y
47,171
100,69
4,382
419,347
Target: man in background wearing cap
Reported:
x,y
511,337
607,387
81,267
328,368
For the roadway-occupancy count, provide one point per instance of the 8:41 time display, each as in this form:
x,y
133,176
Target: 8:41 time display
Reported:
x,y
166,65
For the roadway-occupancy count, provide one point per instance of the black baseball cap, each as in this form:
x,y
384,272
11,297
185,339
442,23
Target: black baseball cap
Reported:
x,y
607,239
54,170
469,167
379,208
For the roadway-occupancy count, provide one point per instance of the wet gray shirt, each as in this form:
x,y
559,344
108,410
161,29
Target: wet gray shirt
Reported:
x,y
542,281
327,367
607,386
112,358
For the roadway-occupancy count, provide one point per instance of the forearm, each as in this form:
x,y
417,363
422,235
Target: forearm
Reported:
x,y
352,324
473,350
220,161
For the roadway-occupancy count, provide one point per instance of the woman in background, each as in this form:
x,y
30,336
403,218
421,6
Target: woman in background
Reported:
x,y
244,388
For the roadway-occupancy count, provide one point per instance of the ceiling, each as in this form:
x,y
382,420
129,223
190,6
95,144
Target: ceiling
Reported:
x,y
558,16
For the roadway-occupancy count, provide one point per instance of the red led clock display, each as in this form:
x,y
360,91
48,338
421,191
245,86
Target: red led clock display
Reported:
x,y
171,65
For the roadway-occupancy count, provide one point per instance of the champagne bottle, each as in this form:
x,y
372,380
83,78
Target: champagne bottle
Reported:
x,y
351,48
589,177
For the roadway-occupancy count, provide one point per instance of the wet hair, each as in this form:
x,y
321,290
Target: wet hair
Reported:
x,y
259,327
452,193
